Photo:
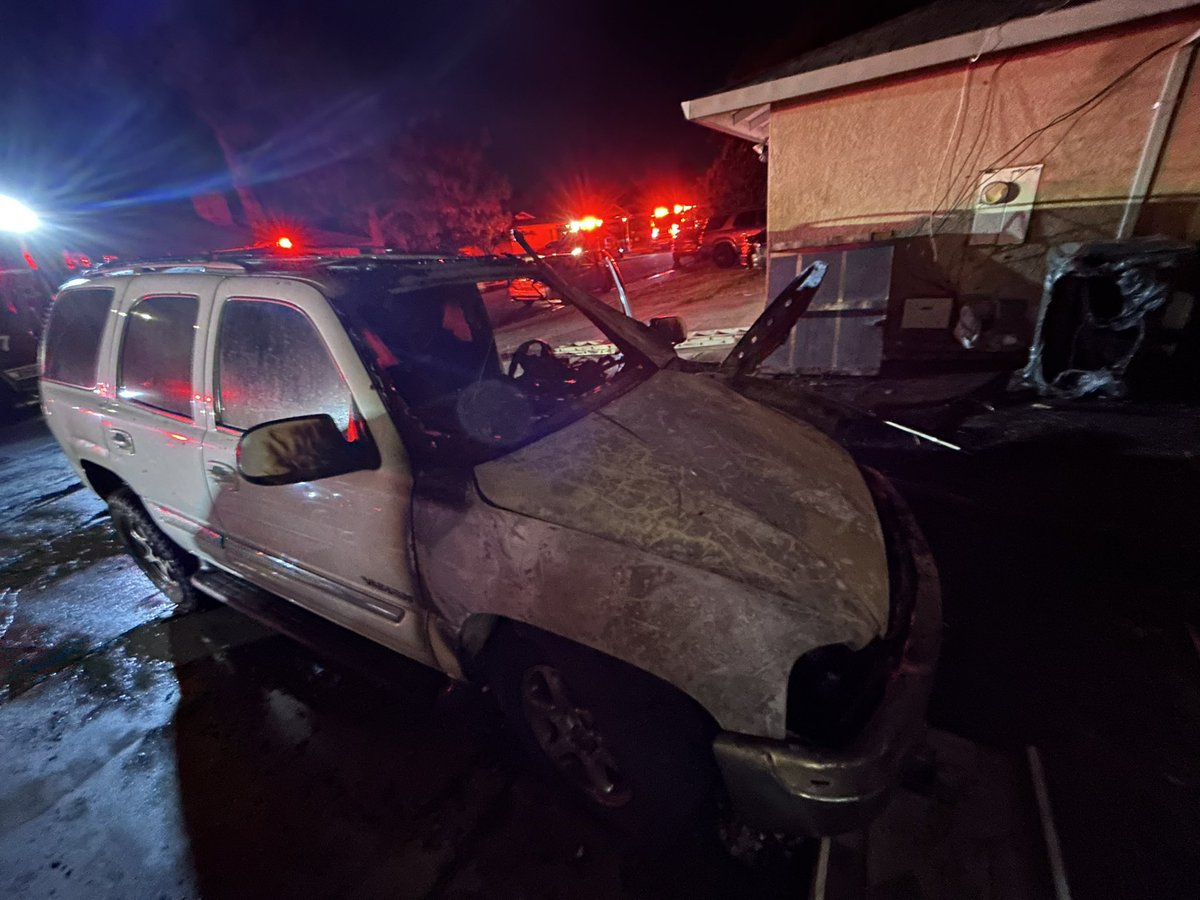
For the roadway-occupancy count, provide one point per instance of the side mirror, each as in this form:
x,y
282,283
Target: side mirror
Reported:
x,y
307,448
670,328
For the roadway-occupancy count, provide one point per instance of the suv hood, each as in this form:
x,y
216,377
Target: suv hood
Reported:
x,y
685,468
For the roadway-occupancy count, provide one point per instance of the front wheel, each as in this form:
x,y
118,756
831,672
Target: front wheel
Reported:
x,y
635,750
168,566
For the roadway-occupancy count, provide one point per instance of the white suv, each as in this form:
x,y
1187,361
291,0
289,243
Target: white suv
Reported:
x,y
653,572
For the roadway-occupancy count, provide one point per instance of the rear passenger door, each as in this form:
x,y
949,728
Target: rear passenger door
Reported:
x,y
154,427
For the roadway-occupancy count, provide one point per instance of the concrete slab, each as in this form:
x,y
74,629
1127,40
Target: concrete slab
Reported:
x,y
969,831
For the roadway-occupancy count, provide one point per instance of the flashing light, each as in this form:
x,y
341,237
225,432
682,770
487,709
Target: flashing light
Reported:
x,y
283,242
587,223
577,251
682,208
16,217
661,212
675,230
29,260
654,233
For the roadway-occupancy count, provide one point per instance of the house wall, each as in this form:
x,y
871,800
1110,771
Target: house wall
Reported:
x,y
874,162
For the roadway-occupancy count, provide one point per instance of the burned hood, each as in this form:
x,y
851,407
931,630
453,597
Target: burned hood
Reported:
x,y
685,468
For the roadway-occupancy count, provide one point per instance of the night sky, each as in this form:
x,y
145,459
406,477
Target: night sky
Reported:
x,y
98,108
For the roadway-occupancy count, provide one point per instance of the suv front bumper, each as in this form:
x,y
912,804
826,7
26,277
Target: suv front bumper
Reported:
x,y
800,789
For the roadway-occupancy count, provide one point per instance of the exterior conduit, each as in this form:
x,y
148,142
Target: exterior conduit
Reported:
x,y
1156,135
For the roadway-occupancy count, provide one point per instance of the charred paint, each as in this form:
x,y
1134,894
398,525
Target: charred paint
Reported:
x,y
691,532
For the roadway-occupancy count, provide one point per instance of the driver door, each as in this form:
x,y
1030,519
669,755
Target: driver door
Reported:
x,y
339,546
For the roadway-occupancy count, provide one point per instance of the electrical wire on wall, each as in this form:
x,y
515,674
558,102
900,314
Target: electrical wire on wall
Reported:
x,y
1008,156
953,141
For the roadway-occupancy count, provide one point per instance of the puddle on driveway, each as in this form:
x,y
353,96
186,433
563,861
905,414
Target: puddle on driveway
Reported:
x,y
61,601
40,563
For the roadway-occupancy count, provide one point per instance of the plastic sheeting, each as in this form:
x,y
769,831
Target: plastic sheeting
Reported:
x,y
1098,305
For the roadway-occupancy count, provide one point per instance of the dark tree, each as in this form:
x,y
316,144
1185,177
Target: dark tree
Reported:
x,y
444,193
736,178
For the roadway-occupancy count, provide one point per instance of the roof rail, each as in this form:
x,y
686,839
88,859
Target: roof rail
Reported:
x,y
140,266
258,259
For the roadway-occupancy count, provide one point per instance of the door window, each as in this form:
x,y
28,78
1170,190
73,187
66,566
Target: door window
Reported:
x,y
272,364
73,335
156,355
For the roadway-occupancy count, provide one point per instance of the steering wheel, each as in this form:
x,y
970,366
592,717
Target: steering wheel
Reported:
x,y
524,355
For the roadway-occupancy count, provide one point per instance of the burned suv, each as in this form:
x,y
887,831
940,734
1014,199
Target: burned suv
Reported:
x,y
675,592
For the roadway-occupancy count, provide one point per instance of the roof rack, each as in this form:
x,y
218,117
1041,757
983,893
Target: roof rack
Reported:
x,y
247,258
138,267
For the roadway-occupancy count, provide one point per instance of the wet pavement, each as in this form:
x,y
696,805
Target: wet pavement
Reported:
x,y
152,755
1066,539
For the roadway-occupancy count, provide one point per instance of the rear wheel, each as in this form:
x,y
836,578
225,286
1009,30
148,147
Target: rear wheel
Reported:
x,y
168,566
635,750
725,256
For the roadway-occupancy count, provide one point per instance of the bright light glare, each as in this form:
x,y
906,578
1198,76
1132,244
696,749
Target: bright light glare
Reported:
x,y
587,223
16,216
660,211
578,251
284,243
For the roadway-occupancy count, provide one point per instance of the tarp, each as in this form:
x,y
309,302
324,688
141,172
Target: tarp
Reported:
x,y
1097,306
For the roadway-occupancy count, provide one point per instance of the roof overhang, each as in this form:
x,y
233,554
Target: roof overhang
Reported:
x,y
745,112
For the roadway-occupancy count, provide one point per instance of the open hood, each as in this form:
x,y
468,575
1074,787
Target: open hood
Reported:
x,y
771,329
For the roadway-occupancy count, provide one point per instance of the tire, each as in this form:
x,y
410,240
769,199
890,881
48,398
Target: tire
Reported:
x,y
725,256
168,566
651,744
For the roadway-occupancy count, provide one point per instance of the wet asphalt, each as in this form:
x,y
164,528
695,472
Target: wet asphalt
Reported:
x,y
1066,539
147,754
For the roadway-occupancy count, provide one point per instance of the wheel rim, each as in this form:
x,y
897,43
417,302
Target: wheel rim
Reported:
x,y
568,736
152,563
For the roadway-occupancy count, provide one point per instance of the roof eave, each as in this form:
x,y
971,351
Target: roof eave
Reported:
x,y
749,123
720,111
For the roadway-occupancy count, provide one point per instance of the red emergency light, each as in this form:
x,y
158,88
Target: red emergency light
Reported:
x,y
587,223
283,242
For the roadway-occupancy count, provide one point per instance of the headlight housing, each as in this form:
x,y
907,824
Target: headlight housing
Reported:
x,y
833,690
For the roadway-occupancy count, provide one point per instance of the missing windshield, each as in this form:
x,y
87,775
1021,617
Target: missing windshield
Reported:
x,y
473,373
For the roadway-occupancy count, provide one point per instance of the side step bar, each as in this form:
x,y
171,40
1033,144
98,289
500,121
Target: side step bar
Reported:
x,y
327,639
227,588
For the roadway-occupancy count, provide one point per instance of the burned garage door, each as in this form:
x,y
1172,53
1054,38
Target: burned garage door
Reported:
x,y
842,332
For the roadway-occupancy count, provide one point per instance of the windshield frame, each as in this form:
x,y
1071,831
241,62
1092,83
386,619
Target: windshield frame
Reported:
x,y
349,288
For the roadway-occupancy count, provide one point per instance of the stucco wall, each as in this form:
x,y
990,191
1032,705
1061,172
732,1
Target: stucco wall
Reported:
x,y
875,161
